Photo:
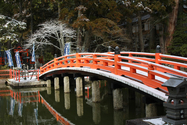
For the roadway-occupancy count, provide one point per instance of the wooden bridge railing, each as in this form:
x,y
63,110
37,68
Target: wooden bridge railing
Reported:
x,y
129,65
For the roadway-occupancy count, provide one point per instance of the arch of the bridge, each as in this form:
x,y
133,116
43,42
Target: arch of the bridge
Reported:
x,y
120,80
149,68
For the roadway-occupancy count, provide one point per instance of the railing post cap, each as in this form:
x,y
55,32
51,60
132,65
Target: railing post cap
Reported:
x,y
55,55
77,50
158,49
117,51
109,48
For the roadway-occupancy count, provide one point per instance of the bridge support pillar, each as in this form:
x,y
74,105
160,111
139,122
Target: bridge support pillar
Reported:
x,y
118,99
79,87
66,84
96,110
95,91
80,110
56,83
48,83
57,96
49,91
118,117
67,100
151,110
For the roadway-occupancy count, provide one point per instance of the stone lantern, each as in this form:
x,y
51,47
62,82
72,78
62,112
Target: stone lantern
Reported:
x,y
176,105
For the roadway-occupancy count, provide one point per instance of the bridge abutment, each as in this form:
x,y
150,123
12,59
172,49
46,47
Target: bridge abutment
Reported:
x,y
79,87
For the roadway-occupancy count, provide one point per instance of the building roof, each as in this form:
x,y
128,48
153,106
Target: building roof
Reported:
x,y
147,16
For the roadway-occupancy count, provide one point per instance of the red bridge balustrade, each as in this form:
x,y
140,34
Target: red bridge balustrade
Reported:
x,y
151,68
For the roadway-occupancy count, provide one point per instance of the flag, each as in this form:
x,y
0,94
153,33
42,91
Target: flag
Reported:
x,y
67,49
9,57
5,59
18,61
33,54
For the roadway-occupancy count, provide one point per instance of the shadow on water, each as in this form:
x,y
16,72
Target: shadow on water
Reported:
x,y
53,107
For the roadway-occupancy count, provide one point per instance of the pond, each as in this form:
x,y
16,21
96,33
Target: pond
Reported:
x,y
46,106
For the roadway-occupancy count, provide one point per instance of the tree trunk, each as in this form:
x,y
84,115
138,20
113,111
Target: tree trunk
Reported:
x,y
161,38
31,19
59,9
172,22
78,33
20,18
140,33
61,41
86,41
152,43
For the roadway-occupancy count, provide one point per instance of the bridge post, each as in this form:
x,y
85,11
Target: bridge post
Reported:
x,y
118,99
95,91
118,117
67,100
79,87
157,54
48,83
57,96
66,84
80,110
49,91
151,110
56,83
116,60
96,110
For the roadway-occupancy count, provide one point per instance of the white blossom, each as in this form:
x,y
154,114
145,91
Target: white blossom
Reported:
x,y
51,29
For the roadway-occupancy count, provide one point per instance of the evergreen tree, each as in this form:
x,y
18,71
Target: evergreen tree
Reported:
x,y
179,44
9,31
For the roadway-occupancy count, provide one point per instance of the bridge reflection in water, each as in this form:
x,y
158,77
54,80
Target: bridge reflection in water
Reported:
x,y
34,107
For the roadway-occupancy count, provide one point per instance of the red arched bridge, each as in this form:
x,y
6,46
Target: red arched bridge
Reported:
x,y
143,71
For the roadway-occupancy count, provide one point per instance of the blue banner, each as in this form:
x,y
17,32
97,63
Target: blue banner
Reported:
x,y
33,54
67,49
9,57
5,59
18,61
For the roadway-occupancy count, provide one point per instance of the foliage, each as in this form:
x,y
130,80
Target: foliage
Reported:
x,y
48,56
9,30
179,43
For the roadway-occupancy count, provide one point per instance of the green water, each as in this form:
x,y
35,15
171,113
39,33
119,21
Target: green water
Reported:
x,y
79,111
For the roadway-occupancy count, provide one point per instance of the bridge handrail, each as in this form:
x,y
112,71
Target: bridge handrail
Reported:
x,y
114,62
178,72
138,53
173,57
57,115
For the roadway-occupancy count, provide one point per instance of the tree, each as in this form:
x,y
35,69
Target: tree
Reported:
x,y
51,29
10,30
178,45
171,24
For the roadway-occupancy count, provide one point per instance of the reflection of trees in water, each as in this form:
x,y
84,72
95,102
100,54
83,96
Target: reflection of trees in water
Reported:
x,y
22,108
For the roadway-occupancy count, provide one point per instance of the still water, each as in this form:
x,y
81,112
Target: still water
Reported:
x,y
46,106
